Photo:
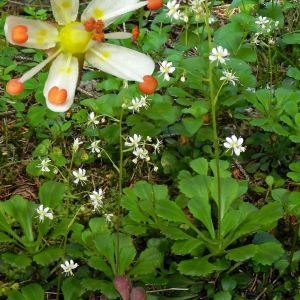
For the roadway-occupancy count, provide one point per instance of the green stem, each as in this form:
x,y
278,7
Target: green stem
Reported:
x,y
213,102
117,250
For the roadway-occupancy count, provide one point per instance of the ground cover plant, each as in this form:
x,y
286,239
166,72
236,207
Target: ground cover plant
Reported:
x,y
149,149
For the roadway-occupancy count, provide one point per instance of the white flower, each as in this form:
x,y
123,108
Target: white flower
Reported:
x,y
182,78
84,38
68,267
76,144
140,153
165,69
96,199
184,17
229,77
44,165
173,9
262,22
93,119
108,217
157,146
137,103
219,54
133,141
44,213
80,176
197,6
95,148
235,144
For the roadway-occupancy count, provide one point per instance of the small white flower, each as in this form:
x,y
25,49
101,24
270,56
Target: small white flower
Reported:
x,y
93,119
197,6
155,168
219,54
76,144
262,22
235,144
229,77
44,213
137,103
173,9
212,20
157,145
95,148
182,78
68,267
108,217
184,17
133,141
80,176
140,153
97,199
44,165
165,69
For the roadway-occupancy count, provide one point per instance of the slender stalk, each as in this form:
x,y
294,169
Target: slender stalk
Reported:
x,y
213,102
121,158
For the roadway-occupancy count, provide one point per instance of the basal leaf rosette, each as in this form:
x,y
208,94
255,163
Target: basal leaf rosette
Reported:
x,y
69,40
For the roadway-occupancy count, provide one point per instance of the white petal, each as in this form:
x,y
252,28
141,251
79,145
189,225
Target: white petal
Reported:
x,y
227,145
64,11
234,139
119,61
118,35
63,74
41,35
109,10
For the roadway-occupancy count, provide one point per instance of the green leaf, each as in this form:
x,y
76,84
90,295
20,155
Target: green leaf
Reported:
x,y
294,204
19,260
126,251
191,125
99,263
173,232
33,292
105,287
241,253
170,211
200,165
149,260
72,288
108,104
268,253
230,190
291,38
294,72
48,256
184,247
22,211
222,295
197,267
51,193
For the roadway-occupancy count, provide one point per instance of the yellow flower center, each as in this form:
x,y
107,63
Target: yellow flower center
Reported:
x,y
74,38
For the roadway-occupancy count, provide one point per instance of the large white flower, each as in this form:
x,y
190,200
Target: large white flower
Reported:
x,y
72,40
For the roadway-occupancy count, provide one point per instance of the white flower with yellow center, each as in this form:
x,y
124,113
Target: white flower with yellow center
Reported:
x,y
219,55
73,40
235,145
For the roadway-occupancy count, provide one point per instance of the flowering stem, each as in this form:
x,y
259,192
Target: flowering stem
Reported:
x,y
213,102
117,250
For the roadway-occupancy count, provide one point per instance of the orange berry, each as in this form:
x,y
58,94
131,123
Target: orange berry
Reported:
x,y
57,95
98,37
89,24
149,85
19,34
99,26
155,4
14,87
135,33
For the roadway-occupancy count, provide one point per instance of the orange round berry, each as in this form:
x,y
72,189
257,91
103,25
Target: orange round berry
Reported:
x,y
14,87
19,34
57,96
149,85
155,4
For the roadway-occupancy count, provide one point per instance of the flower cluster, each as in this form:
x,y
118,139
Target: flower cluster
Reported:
x,y
137,103
138,145
265,31
96,199
72,40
